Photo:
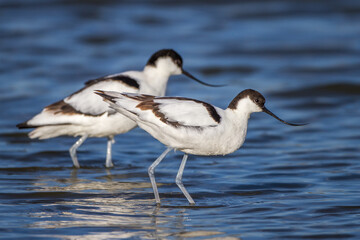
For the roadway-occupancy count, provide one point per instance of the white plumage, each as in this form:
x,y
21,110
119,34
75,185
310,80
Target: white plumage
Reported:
x,y
85,114
189,125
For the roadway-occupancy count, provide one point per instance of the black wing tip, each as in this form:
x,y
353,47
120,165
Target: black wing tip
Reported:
x,y
104,95
23,125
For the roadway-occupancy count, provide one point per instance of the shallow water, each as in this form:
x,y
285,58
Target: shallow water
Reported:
x,y
284,183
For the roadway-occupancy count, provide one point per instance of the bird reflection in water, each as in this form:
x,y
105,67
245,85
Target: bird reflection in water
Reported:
x,y
120,207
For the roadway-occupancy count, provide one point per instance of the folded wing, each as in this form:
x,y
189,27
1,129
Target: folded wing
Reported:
x,y
174,111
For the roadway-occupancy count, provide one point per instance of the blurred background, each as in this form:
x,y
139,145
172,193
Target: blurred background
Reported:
x,y
284,183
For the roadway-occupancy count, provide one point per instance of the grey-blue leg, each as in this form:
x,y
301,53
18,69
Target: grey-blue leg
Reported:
x,y
73,149
108,162
178,180
151,171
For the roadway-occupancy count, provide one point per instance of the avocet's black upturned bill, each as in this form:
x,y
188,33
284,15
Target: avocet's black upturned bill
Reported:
x,y
85,114
189,125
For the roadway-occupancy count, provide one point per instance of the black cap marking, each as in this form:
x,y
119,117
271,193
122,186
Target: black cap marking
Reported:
x,y
165,53
255,96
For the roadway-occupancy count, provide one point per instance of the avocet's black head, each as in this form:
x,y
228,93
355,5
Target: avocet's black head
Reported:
x,y
257,104
164,53
171,61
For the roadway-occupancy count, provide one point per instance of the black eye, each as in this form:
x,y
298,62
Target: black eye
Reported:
x,y
257,100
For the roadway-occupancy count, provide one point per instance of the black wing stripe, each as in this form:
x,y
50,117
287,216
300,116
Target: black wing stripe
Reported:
x,y
121,78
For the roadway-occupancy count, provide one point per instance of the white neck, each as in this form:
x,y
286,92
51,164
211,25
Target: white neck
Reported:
x,y
237,123
155,81
242,111
240,116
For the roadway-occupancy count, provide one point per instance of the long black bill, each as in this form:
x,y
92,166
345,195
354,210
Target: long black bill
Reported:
x,y
203,83
273,115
